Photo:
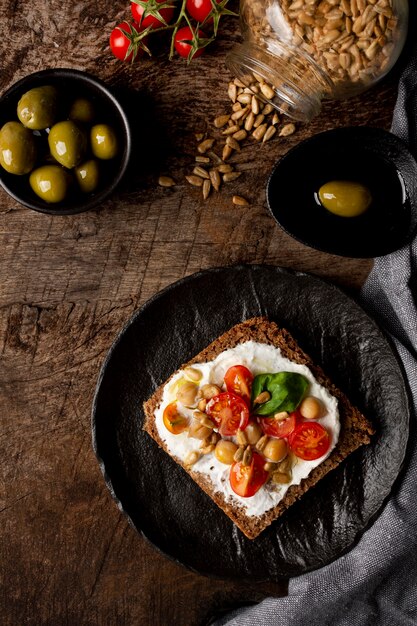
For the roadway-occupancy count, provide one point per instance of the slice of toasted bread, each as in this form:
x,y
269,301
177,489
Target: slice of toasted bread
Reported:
x,y
355,428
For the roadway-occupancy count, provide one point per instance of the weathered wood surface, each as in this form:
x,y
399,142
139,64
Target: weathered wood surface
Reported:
x,y
67,285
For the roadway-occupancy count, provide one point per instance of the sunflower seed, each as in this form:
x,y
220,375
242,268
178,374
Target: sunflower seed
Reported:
x,y
202,159
286,130
231,130
221,120
205,145
206,189
259,132
196,181
239,201
215,179
270,132
224,168
240,135
235,145
200,171
229,176
166,181
227,152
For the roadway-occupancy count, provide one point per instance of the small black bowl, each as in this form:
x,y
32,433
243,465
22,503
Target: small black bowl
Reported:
x,y
70,84
371,156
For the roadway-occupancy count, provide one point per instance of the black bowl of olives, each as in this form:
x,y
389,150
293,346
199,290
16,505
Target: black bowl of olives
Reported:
x,y
348,191
65,141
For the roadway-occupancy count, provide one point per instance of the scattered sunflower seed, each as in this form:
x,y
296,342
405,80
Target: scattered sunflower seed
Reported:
x,y
202,159
221,120
205,145
206,189
200,171
166,181
235,145
229,176
286,130
223,168
270,132
215,179
239,201
196,181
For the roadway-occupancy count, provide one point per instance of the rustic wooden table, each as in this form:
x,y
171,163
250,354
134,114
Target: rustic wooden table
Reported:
x,y
68,285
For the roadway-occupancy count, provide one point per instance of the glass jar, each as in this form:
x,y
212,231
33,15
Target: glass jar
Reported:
x,y
299,52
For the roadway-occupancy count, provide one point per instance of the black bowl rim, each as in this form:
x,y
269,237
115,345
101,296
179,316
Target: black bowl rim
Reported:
x,y
365,131
86,77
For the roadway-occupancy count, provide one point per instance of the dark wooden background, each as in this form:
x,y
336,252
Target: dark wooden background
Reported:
x,y
68,285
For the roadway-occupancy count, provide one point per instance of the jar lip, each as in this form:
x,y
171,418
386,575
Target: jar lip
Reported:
x,y
293,101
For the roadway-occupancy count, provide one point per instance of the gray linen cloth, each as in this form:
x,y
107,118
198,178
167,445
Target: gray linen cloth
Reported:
x,y
376,583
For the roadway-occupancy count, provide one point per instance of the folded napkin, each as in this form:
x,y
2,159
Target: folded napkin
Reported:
x,y
375,584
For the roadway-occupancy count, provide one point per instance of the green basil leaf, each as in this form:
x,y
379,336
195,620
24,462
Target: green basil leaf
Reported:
x,y
286,388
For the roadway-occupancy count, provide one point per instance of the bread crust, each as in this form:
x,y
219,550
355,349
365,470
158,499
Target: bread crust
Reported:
x,y
356,430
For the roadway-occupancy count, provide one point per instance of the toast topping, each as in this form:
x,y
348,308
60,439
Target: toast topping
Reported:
x,y
262,410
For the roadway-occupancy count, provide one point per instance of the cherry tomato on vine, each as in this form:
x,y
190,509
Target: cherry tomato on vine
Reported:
x,y
122,41
229,413
199,9
246,480
153,18
238,379
183,42
279,428
309,441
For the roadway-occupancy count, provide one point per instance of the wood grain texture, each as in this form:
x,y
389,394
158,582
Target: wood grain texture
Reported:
x,y
69,284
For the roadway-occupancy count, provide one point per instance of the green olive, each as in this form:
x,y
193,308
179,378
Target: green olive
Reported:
x,y
67,143
104,143
87,175
345,198
82,110
37,108
50,182
17,148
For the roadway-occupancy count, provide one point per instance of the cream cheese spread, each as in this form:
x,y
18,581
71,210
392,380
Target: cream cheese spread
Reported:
x,y
259,359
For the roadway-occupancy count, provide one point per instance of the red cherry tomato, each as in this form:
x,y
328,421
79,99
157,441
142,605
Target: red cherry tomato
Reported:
x,y
238,379
182,44
279,428
199,9
229,412
121,44
173,420
152,19
309,441
246,480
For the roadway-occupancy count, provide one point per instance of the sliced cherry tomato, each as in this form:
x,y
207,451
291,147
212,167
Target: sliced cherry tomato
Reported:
x,y
123,43
155,17
238,379
309,441
200,9
173,420
229,412
279,428
183,42
246,480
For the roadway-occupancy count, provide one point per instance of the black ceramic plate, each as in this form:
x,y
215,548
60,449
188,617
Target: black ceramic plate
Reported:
x,y
371,156
164,503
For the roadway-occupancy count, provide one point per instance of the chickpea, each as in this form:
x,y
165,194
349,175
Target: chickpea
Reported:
x,y
225,451
311,408
187,393
275,449
198,430
253,432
